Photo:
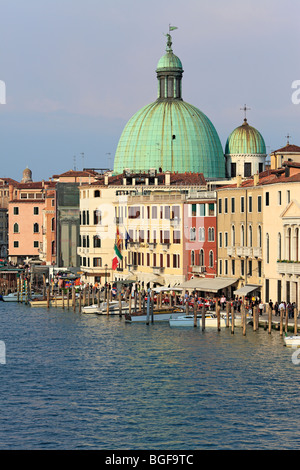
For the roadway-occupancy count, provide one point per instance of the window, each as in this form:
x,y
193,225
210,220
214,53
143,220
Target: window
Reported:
x,y
133,212
201,257
259,268
97,241
267,199
250,204
96,193
250,267
176,236
201,234
193,234
259,234
154,212
211,259
97,217
194,210
233,267
268,247
97,262
233,170
220,206
250,236
36,228
226,239
242,204
279,198
288,196
16,244
53,224
232,205
176,261
35,244
220,267
258,203
242,267
226,266
211,234
16,211
279,246
242,235
202,210
16,228
192,258
247,169
232,235
220,239
226,205
35,211
167,212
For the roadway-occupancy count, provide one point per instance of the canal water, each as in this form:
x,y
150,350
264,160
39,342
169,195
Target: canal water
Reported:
x,y
75,381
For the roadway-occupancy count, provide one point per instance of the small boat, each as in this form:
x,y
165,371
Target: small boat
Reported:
x,y
157,316
184,320
292,341
211,320
102,309
13,297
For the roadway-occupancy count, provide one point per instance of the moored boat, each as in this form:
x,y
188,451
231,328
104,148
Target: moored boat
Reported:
x,y
157,316
292,341
14,296
102,309
211,320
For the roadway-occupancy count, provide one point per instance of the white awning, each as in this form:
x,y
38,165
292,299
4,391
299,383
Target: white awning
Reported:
x,y
246,289
207,284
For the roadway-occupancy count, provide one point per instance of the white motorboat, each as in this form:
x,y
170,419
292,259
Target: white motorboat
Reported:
x,y
184,320
211,320
13,297
157,316
102,309
292,341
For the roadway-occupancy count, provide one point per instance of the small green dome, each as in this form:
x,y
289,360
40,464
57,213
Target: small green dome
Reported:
x,y
169,61
245,140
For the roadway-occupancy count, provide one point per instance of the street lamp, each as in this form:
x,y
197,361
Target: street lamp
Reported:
x,y
106,290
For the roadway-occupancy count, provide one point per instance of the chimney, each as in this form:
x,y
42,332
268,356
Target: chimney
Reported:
x,y
256,179
106,180
238,181
167,178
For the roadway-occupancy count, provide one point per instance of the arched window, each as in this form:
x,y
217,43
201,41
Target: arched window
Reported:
x,y
201,234
232,235
192,234
268,247
201,258
97,241
297,244
242,235
250,235
211,259
16,228
259,235
53,224
36,228
192,258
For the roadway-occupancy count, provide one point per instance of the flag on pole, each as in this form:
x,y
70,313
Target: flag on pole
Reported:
x,y
127,238
117,249
171,28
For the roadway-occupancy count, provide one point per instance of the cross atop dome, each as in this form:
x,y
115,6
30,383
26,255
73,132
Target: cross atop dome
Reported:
x,y
245,109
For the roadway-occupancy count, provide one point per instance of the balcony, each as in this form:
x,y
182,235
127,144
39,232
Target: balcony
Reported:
x,y
288,267
158,269
198,269
132,267
230,251
175,222
244,251
165,246
152,245
257,252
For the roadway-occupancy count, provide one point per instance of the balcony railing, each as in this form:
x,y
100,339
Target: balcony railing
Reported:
x,y
198,269
158,269
288,267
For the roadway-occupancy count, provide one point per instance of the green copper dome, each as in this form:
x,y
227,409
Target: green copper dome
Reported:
x,y
245,140
170,134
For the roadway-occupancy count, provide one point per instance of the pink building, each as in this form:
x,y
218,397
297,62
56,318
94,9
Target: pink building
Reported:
x,y
200,235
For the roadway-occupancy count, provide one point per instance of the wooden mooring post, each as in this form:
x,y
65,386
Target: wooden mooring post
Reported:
x,y
79,300
120,304
227,313
218,309
107,302
195,313
48,297
270,320
281,321
203,317
286,320
254,317
295,320
232,319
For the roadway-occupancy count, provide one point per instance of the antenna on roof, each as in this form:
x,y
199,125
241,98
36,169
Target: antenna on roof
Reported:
x,y
74,158
288,139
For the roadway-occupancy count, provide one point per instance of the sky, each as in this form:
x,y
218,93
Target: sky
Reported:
x,y
75,71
